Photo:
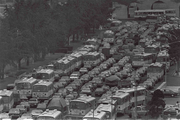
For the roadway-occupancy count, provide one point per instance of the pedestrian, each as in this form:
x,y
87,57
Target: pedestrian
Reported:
x,y
177,104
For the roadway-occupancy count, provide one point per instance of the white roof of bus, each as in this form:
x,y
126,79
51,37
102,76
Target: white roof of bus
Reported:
x,y
154,46
143,54
93,40
120,95
48,71
29,80
50,113
157,64
131,89
149,10
84,99
5,92
105,107
42,82
96,114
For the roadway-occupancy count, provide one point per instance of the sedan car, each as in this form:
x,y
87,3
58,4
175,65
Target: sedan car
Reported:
x,y
141,111
83,70
22,108
33,102
14,113
168,92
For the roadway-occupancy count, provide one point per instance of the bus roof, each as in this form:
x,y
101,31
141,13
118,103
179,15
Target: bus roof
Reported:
x,y
96,114
150,10
50,113
27,80
143,54
128,90
120,95
105,108
154,46
157,64
84,99
48,71
5,92
42,82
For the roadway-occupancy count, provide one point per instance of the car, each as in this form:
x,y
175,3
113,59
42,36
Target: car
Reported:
x,y
99,92
168,92
22,108
42,106
75,75
141,111
85,78
14,113
26,104
83,70
10,86
35,113
33,102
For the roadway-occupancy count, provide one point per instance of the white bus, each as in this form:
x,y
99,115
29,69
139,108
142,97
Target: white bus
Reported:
x,y
81,106
7,99
45,74
102,112
123,101
42,90
50,115
155,13
140,94
24,86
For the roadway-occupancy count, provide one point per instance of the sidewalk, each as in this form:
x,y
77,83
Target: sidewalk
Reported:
x,y
48,59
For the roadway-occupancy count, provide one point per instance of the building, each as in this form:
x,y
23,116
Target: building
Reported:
x,y
127,11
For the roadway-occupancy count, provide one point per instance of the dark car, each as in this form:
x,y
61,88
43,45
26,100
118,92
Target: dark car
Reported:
x,y
15,113
170,93
10,86
33,102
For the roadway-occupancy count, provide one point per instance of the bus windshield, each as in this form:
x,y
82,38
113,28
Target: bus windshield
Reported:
x,y
40,88
77,105
23,86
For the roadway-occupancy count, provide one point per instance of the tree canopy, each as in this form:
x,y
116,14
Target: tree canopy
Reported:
x,y
33,28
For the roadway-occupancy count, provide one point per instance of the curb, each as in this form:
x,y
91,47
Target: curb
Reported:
x,y
161,86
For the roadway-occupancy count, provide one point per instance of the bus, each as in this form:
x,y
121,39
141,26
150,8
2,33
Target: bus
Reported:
x,y
139,60
148,13
123,101
7,99
42,90
156,70
140,94
50,115
108,36
91,59
163,57
78,58
45,74
102,112
152,49
1,104
81,106
24,87
155,13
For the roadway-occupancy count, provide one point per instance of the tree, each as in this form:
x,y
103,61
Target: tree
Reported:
x,y
157,104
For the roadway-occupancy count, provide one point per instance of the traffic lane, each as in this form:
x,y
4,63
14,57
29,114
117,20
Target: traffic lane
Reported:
x,y
171,100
